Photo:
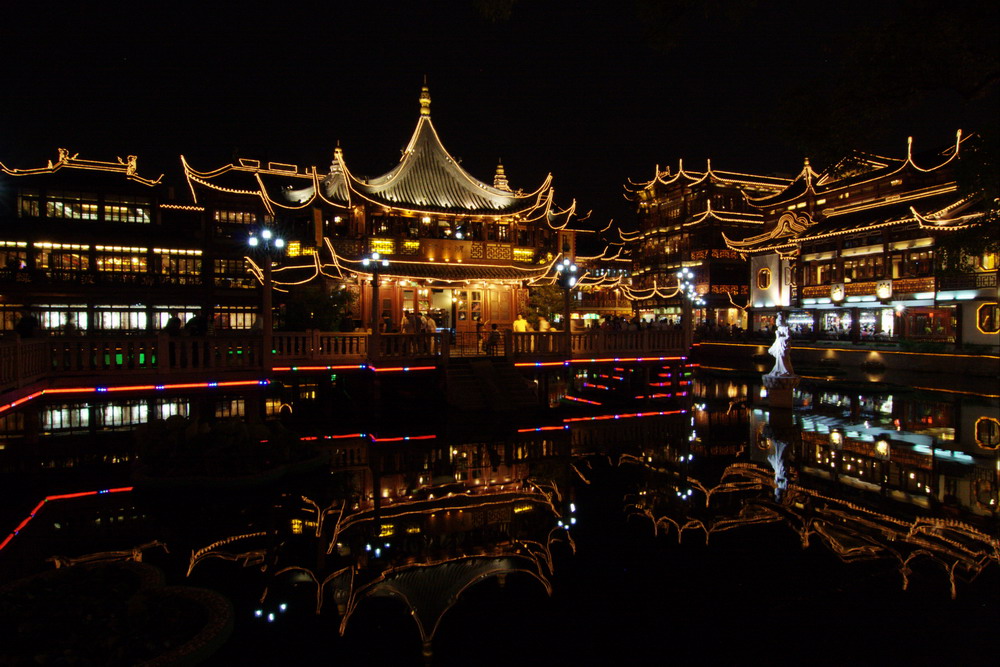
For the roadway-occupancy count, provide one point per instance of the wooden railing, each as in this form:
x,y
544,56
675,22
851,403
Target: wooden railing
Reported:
x,y
23,362
642,343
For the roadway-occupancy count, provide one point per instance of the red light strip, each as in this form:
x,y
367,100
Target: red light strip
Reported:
x,y
624,416
581,400
63,496
136,387
70,390
286,369
403,368
405,437
596,361
596,386
543,428
23,399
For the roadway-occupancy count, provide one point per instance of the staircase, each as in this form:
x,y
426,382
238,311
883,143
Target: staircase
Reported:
x,y
490,385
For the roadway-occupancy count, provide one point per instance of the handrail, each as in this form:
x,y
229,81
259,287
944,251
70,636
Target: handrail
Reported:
x,y
26,361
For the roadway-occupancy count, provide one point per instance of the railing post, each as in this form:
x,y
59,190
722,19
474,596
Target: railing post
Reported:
x,y
315,345
18,363
444,348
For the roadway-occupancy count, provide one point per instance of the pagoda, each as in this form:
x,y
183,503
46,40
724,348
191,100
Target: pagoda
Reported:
x,y
448,244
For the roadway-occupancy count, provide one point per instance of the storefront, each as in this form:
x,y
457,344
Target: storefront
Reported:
x,y
928,323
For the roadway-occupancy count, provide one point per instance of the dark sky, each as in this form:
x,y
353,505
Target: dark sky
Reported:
x,y
594,93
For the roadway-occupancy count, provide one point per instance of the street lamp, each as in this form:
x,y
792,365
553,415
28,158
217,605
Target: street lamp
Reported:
x,y
566,278
685,282
690,298
267,244
374,263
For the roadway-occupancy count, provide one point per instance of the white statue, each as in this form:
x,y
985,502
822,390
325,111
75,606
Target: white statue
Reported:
x,y
779,349
777,461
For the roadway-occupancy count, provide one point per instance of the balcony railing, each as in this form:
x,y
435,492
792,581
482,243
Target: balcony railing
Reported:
x,y
968,281
159,357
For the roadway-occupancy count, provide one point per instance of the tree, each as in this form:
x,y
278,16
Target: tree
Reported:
x,y
312,306
545,301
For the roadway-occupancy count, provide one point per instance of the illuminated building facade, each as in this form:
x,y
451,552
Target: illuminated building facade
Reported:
x,y
683,216
457,248
99,247
853,253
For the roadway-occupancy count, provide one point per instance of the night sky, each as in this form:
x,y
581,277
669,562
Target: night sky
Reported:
x,y
595,93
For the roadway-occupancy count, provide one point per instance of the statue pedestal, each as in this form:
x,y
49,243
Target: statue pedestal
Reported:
x,y
779,389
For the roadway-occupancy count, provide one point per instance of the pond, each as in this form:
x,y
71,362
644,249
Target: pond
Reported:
x,y
706,527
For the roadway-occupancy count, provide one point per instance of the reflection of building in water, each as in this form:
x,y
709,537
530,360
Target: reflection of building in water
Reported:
x,y
417,520
866,490
853,530
60,434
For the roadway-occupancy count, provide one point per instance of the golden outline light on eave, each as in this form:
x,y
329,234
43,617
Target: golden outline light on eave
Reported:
x,y
789,224
951,153
433,142
125,167
722,177
754,218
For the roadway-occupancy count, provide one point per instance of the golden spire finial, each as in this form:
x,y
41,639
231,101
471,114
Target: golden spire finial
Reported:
x,y
425,99
500,178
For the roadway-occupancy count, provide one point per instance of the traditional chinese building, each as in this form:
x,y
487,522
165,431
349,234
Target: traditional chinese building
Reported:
x,y
683,217
99,247
448,244
852,252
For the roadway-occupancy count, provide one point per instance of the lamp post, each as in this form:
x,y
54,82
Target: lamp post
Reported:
x,y
374,263
689,299
269,246
566,278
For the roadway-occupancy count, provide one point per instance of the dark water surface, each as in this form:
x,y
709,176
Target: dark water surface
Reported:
x,y
859,528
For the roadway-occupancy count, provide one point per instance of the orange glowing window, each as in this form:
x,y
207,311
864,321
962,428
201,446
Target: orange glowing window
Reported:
x,y
988,433
763,278
986,318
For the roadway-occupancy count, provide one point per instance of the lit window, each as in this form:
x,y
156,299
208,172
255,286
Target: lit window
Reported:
x,y
127,209
763,278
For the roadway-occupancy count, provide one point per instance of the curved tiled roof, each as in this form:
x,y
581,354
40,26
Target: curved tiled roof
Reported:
x,y
428,178
710,175
125,167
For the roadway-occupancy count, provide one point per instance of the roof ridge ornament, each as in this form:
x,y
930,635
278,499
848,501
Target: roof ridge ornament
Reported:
x,y
500,178
425,99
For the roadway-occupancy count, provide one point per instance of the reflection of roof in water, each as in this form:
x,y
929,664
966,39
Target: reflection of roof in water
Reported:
x,y
431,590
850,530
